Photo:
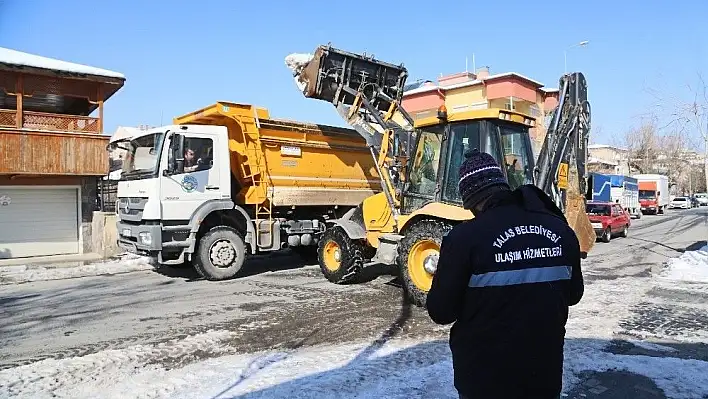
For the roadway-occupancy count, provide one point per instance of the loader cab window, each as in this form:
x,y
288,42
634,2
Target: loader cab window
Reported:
x,y
463,137
424,170
517,152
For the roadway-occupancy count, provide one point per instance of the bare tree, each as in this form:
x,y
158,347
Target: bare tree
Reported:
x,y
688,113
642,144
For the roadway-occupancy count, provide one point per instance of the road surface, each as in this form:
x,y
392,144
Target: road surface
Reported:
x,y
284,304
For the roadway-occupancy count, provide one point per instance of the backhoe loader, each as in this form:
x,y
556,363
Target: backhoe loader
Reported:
x,y
418,161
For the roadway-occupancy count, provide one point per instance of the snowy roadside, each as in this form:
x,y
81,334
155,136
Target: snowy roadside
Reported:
x,y
691,266
124,264
206,365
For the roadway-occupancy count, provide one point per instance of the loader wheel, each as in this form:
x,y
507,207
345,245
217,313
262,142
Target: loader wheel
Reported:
x,y
417,257
220,254
340,257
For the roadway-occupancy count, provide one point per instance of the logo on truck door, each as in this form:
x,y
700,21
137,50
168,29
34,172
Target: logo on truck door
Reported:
x,y
189,183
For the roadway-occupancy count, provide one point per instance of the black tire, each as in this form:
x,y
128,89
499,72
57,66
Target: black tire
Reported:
x,y
607,235
233,251
341,267
625,231
423,233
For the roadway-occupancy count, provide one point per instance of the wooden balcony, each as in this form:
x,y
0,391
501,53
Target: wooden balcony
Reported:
x,y
42,121
41,152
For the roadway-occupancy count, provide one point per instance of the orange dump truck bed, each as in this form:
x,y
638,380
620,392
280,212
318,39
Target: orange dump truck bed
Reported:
x,y
291,163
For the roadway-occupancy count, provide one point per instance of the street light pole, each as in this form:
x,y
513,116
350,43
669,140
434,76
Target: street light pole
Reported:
x,y
565,52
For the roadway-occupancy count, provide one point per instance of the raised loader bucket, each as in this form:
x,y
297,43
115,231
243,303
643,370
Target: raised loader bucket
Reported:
x,y
331,71
580,223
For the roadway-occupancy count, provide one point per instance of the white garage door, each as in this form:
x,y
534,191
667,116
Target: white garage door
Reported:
x,y
38,221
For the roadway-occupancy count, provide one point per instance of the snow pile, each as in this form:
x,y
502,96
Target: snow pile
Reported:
x,y
691,266
296,62
108,374
397,369
125,264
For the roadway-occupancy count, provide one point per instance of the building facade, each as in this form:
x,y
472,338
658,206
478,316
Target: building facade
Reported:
x,y
469,91
608,159
53,152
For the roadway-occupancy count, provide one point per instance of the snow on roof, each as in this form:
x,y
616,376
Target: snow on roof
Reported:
x,y
549,90
593,160
18,58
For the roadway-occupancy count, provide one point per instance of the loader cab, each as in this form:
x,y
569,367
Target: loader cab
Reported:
x,y
440,145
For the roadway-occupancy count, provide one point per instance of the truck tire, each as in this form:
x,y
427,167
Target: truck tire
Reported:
x,y
220,254
421,242
340,258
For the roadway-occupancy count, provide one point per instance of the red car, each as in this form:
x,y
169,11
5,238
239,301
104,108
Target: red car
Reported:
x,y
608,219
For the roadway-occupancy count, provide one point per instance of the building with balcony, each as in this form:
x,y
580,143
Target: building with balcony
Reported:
x,y
468,91
52,152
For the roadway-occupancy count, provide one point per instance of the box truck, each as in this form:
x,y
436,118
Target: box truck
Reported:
x,y
653,193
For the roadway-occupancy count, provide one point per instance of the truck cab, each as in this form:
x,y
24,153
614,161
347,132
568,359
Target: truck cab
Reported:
x,y
168,174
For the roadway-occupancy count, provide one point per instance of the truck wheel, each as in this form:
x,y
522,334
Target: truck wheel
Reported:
x,y
220,254
607,235
418,253
340,257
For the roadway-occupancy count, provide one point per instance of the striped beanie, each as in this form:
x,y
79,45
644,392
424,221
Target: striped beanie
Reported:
x,y
478,172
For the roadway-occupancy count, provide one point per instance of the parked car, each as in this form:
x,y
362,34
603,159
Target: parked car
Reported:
x,y
680,202
694,201
608,219
702,199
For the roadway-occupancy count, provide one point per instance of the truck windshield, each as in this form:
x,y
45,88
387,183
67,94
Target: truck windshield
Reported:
x,y
142,157
647,195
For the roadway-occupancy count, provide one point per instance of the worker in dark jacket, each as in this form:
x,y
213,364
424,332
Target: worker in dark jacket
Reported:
x,y
506,279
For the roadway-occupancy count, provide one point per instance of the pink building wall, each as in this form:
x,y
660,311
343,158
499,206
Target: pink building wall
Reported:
x,y
510,87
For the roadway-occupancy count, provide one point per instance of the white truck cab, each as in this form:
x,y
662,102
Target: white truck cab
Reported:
x,y
171,175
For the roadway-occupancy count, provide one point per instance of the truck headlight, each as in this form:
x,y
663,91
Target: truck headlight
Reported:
x,y
145,238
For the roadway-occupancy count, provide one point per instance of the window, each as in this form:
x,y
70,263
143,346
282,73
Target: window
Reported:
x,y
424,171
463,137
597,209
516,156
198,154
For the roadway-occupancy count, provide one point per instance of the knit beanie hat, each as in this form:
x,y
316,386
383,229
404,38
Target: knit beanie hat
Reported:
x,y
478,172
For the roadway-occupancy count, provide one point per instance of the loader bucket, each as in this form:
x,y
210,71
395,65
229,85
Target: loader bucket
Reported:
x,y
580,223
330,71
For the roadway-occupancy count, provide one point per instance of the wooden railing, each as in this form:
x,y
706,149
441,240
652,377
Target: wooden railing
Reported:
x,y
50,122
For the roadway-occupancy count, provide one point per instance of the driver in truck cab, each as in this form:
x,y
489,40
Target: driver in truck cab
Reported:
x,y
506,279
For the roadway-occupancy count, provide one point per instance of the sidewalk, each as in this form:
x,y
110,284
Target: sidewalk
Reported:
x,y
53,261
59,267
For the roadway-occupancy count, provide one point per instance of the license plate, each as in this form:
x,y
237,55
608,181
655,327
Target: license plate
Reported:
x,y
126,232
596,225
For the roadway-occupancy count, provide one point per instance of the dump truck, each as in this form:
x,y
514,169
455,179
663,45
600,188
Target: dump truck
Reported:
x,y
229,181
419,159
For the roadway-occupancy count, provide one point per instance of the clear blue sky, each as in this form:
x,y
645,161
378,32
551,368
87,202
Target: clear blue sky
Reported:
x,y
182,55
